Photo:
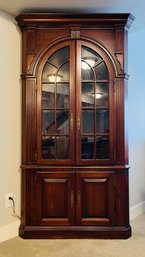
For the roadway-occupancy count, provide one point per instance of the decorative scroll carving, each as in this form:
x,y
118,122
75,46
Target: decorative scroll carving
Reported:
x,y
30,59
120,59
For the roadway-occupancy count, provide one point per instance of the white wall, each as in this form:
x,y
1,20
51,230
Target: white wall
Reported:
x,y
10,70
137,121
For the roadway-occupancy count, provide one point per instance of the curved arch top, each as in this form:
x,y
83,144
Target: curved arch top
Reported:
x,y
99,46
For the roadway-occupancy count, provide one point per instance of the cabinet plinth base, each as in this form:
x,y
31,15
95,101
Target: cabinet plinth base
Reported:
x,y
74,232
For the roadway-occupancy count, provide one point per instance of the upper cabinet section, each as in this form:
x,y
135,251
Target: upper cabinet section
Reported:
x,y
39,32
74,76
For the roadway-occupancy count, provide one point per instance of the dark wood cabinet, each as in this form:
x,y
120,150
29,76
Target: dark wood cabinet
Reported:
x,y
74,126
95,198
56,198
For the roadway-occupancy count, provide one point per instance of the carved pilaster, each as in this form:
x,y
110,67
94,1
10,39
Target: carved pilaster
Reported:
x,y
29,120
121,140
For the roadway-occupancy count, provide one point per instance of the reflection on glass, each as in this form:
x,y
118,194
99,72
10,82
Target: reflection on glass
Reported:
x,y
60,57
64,71
48,147
90,56
48,124
101,71
102,147
62,122
87,121
87,72
87,147
62,147
87,94
62,96
103,90
102,121
47,71
48,95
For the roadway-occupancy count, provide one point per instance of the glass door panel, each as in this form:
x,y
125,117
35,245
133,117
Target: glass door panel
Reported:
x,y
102,94
95,107
87,146
62,122
102,121
48,147
88,121
48,95
102,147
56,107
62,95
88,92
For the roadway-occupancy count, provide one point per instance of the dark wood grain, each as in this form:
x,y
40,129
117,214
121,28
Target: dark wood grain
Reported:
x,y
74,198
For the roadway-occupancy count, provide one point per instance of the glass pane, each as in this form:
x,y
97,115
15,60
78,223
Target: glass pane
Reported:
x,y
48,70
48,147
48,124
62,147
101,71
48,95
64,71
62,96
87,147
102,94
90,56
102,147
87,94
87,121
102,121
87,72
62,122
60,57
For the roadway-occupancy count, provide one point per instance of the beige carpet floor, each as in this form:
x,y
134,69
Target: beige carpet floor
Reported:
x,y
133,247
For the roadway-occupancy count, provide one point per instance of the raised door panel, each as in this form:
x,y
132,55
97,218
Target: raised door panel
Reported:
x,y
55,198
95,198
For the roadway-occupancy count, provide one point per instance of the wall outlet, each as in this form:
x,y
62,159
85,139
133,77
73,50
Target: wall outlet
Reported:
x,y
8,202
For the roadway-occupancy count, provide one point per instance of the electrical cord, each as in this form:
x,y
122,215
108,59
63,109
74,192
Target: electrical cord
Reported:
x,y
14,212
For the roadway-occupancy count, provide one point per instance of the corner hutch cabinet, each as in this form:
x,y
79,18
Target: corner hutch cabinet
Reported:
x,y
74,131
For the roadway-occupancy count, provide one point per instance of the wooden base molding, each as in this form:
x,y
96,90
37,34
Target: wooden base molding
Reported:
x,y
78,232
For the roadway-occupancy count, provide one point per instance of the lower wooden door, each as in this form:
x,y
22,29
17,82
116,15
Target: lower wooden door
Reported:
x,y
74,199
95,198
55,198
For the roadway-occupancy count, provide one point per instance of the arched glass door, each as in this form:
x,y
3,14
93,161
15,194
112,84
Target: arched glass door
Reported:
x,y
94,106
75,96
57,109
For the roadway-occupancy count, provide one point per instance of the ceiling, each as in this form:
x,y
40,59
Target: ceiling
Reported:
x,y
136,7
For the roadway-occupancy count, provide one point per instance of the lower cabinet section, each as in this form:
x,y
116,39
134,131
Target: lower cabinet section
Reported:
x,y
74,204
75,198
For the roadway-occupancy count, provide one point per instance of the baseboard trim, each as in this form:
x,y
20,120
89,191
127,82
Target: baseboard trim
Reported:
x,y
137,210
9,231
12,230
